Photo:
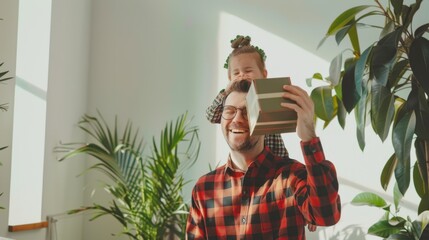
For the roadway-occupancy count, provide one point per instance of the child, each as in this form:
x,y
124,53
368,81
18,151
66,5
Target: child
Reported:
x,y
247,62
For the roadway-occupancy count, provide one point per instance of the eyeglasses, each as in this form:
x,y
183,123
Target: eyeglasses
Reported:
x,y
229,112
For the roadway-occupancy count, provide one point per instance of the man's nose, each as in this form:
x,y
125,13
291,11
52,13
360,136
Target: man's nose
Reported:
x,y
240,116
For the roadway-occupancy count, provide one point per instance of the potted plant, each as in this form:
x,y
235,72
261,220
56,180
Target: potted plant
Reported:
x,y
146,190
386,84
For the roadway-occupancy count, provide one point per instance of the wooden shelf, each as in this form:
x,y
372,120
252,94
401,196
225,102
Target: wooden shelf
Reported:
x,y
26,227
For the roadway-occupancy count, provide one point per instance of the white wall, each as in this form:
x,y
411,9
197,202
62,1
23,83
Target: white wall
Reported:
x,y
67,101
150,61
8,28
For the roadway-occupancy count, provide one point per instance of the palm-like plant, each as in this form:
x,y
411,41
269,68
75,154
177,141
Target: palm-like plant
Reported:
x,y
3,106
146,190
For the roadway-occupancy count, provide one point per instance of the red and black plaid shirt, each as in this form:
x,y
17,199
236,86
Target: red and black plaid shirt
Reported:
x,y
273,199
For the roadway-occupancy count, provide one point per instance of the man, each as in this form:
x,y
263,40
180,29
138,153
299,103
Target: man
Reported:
x,y
259,195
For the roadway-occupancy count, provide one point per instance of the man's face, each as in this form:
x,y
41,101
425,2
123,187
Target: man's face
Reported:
x,y
236,130
245,66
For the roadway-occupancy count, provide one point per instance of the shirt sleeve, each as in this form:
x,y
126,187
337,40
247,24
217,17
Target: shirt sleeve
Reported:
x,y
317,186
195,224
276,144
214,111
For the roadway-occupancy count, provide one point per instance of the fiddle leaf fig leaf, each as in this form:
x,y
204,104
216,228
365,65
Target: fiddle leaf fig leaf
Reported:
x,y
420,223
354,39
388,28
397,6
387,172
397,197
421,30
398,71
369,199
345,18
424,204
341,112
335,69
360,69
323,101
401,138
422,116
419,61
350,94
383,229
382,109
420,174
383,56
418,181
316,76
360,117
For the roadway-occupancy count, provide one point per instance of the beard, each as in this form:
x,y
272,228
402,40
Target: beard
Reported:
x,y
243,146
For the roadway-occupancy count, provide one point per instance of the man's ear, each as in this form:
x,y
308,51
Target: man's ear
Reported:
x,y
265,73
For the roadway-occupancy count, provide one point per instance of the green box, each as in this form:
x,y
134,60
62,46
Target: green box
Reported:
x,y
265,114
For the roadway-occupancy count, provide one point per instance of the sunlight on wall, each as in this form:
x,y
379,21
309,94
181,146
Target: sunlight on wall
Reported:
x,y
30,112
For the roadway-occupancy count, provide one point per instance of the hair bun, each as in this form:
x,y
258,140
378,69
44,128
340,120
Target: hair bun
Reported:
x,y
240,41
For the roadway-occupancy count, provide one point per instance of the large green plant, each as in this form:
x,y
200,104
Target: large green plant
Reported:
x,y
387,84
391,225
146,190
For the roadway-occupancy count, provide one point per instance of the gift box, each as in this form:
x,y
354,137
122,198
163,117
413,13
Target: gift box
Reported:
x,y
265,114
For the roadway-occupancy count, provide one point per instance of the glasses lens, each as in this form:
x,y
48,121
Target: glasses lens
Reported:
x,y
228,112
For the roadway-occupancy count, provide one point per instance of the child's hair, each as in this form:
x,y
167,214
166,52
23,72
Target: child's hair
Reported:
x,y
241,45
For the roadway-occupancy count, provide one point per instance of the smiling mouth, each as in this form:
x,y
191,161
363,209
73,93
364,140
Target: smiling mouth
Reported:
x,y
237,131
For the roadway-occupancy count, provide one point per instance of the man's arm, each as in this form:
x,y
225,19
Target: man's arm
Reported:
x,y
317,187
195,225
317,184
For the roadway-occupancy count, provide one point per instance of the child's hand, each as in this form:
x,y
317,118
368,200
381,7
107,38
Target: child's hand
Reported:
x,y
311,227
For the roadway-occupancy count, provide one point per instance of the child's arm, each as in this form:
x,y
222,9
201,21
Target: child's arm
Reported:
x,y
214,111
276,144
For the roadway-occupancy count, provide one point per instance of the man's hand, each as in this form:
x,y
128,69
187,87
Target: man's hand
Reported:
x,y
304,107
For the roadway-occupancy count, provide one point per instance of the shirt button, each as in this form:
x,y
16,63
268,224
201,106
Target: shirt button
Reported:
x,y
243,220
244,192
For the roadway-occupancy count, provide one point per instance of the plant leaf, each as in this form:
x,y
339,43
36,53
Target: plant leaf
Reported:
x,y
345,18
341,112
421,30
419,61
382,109
383,229
360,69
349,89
397,6
335,69
422,115
387,172
369,199
316,76
397,197
420,168
383,56
360,117
323,101
401,138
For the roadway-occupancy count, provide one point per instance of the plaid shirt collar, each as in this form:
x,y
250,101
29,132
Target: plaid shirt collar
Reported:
x,y
265,158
